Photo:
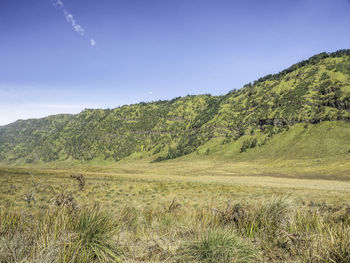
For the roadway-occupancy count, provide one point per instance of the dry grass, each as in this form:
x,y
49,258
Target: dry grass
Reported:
x,y
141,218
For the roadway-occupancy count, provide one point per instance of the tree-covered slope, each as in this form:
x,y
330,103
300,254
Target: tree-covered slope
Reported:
x,y
116,133
312,91
317,90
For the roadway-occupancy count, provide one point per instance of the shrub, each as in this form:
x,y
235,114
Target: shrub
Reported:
x,y
249,143
207,151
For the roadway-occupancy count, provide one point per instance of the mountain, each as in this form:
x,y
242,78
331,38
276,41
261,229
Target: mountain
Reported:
x,y
303,111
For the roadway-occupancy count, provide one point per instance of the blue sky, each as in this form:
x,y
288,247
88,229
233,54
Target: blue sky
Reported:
x,y
61,56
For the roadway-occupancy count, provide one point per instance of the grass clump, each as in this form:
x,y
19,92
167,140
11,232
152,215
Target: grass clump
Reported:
x,y
275,214
263,218
94,231
221,246
331,246
58,235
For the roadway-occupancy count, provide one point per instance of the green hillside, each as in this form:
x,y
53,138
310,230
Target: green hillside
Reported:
x,y
301,112
297,142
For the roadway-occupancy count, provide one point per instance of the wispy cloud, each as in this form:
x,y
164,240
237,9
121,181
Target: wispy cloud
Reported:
x,y
70,19
57,3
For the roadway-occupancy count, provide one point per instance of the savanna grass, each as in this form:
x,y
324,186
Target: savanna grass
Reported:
x,y
58,235
150,225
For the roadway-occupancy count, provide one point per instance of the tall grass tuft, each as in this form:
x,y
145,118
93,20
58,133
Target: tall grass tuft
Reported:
x,y
10,221
276,213
58,235
94,231
219,246
264,218
332,246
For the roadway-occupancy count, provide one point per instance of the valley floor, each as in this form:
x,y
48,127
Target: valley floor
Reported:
x,y
176,211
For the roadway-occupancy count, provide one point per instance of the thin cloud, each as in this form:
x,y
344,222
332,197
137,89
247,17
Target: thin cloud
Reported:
x,y
57,4
70,19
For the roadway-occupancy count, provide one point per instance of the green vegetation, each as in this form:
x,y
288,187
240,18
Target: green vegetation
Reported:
x,y
312,91
219,246
260,174
57,235
169,219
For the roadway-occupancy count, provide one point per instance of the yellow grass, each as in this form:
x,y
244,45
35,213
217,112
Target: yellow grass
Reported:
x,y
138,195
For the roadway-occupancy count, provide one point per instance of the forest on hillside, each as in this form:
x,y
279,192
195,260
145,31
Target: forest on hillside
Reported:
x,y
311,91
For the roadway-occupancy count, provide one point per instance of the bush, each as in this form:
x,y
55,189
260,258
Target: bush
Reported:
x,y
249,143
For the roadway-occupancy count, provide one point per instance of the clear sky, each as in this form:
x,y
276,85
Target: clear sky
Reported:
x,y
59,56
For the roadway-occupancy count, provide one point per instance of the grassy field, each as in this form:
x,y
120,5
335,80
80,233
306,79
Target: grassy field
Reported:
x,y
177,211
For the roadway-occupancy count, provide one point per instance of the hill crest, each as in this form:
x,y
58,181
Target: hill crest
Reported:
x,y
310,92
